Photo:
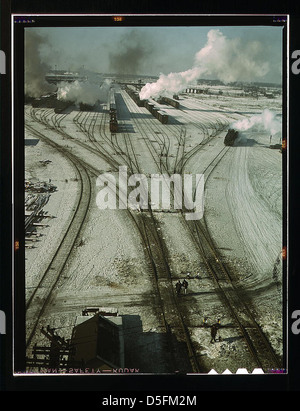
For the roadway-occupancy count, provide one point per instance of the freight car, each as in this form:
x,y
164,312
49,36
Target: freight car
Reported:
x,y
150,107
113,125
112,109
135,97
230,137
162,117
157,113
154,110
47,101
86,107
170,101
60,106
51,101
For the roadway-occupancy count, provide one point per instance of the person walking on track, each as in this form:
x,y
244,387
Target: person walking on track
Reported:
x,y
185,285
178,286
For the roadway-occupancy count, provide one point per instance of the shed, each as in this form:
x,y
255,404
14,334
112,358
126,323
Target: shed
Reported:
x,y
98,342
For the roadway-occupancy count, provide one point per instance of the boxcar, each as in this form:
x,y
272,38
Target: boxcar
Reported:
x,y
162,117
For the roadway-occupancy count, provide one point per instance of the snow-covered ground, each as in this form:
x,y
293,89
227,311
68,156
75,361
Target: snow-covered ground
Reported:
x,y
243,212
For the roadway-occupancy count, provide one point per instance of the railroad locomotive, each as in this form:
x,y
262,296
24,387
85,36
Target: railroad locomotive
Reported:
x,y
61,106
230,137
112,108
86,107
50,101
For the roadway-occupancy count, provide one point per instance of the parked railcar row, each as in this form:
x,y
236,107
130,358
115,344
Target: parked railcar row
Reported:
x,y
167,100
154,110
50,101
135,97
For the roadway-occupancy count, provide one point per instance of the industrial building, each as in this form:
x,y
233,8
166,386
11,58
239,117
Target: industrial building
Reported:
x,y
98,342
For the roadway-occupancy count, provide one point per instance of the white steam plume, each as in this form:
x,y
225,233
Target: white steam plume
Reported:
x,y
265,121
83,92
226,59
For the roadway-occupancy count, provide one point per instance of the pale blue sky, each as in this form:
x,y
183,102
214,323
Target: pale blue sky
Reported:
x,y
149,50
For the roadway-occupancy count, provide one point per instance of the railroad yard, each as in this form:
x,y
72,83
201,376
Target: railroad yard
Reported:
x,y
128,261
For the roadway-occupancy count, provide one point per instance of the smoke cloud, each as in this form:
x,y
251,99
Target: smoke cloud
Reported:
x,y
265,121
35,69
83,92
226,59
131,55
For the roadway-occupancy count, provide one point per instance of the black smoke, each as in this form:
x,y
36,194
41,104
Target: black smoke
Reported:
x,y
132,54
35,68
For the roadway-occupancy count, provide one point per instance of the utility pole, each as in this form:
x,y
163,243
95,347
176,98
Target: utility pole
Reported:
x,y
55,356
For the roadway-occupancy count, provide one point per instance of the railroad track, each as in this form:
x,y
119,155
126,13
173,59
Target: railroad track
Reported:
x,y
256,342
157,155
209,131
171,317
232,298
41,295
234,301
170,320
173,320
171,314
104,154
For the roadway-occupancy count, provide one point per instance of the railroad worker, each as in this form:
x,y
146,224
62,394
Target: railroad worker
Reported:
x,y
219,326
213,333
178,286
185,285
214,330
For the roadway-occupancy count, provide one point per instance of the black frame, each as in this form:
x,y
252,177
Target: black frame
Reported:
x,y
279,382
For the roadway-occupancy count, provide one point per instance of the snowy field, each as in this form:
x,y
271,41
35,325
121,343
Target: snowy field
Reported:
x,y
109,267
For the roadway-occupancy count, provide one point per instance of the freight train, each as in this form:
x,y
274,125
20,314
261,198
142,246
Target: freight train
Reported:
x,y
62,105
154,110
112,109
230,137
162,117
135,97
50,101
46,101
86,107
157,112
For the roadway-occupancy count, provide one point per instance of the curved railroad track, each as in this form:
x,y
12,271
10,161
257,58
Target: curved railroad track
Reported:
x,y
232,298
255,340
172,317
37,302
